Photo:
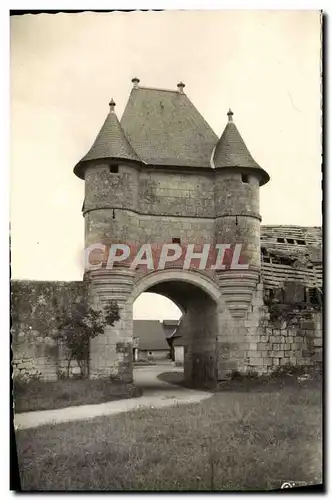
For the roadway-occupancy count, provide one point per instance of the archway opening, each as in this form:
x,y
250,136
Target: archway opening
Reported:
x,y
193,346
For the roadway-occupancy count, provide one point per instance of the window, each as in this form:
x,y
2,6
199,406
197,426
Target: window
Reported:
x,y
280,240
300,242
245,178
176,240
314,296
114,169
290,241
285,262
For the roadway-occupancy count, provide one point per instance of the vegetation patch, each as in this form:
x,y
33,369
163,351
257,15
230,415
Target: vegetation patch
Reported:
x,y
38,395
233,441
287,376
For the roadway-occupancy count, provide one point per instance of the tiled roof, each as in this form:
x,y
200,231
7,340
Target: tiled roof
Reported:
x,y
231,151
110,143
165,128
170,326
150,334
291,253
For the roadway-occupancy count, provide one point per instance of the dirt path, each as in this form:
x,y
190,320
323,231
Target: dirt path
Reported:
x,y
156,394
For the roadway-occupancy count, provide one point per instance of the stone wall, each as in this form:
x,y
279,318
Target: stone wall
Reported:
x,y
295,342
291,337
169,193
35,308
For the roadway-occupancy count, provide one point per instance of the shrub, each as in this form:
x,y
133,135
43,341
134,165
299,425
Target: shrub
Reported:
x,y
81,324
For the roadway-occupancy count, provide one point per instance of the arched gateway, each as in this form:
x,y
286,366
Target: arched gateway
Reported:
x,y
162,176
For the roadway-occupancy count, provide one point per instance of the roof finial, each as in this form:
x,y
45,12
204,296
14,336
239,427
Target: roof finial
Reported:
x,y
230,115
112,105
135,82
181,86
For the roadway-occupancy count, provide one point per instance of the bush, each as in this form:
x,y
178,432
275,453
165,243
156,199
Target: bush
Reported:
x,y
81,324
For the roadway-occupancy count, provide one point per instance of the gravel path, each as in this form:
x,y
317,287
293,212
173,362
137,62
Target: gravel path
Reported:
x,y
156,394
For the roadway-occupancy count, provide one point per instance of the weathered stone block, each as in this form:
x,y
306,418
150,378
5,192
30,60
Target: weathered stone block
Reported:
x,y
318,356
296,346
254,338
308,325
256,362
263,346
254,354
276,354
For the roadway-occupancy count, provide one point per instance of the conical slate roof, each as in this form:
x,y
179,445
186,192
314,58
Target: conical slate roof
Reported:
x,y
231,151
110,143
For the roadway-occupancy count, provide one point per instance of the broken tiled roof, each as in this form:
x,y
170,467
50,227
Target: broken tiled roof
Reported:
x,y
110,143
165,128
231,151
150,334
291,253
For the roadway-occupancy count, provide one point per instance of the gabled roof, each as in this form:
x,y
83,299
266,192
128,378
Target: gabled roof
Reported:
x,y
176,340
150,334
231,151
165,128
110,143
170,326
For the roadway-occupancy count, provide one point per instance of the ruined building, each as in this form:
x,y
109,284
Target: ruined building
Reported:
x,y
161,175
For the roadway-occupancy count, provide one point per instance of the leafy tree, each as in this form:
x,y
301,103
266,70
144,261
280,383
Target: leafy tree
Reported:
x,y
79,325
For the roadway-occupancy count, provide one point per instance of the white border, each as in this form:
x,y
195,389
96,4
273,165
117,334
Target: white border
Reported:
x,y
4,212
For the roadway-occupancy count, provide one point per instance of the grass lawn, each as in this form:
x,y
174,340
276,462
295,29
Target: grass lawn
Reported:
x,y
236,440
38,395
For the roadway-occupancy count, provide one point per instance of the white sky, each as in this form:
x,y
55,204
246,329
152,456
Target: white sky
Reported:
x,y
265,65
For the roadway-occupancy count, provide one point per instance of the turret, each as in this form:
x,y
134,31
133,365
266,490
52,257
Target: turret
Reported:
x,y
110,172
238,178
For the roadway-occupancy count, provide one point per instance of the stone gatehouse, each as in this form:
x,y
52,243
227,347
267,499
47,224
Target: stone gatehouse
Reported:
x,y
161,175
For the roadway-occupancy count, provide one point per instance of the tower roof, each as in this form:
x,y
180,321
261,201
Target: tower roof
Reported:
x,y
110,143
231,151
165,128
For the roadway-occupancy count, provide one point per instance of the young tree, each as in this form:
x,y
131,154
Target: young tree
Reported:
x,y
79,325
